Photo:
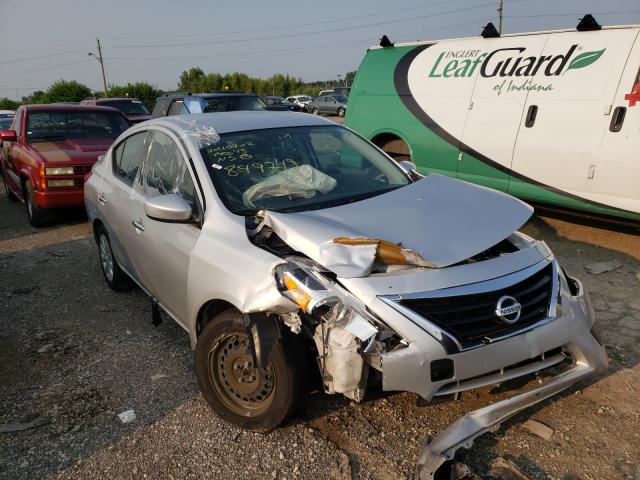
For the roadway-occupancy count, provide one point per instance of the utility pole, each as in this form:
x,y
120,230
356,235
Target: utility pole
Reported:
x,y
101,61
500,5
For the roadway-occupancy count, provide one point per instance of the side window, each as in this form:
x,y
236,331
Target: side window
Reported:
x,y
166,170
128,156
176,108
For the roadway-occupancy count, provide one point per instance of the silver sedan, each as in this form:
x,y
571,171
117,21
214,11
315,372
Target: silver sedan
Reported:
x,y
283,242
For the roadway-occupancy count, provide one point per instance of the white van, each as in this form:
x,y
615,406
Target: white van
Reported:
x,y
550,117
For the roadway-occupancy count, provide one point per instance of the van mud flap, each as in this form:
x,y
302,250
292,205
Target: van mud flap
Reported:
x,y
465,430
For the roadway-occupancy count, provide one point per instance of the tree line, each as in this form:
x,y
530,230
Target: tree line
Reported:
x,y
193,80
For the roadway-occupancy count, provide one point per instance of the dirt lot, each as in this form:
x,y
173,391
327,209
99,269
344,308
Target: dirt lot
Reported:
x,y
74,354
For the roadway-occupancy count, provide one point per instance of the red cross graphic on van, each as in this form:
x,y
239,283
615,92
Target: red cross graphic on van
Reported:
x,y
634,96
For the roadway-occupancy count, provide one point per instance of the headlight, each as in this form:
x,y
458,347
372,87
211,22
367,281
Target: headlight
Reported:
x,y
60,183
59,171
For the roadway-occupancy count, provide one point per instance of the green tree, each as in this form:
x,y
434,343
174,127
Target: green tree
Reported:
x,y
348,78
66,91
191,80
8,104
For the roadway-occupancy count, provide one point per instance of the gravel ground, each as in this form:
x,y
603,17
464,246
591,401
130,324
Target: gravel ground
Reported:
x,y
77,354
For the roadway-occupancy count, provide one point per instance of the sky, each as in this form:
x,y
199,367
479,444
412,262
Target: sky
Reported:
x,y
42,41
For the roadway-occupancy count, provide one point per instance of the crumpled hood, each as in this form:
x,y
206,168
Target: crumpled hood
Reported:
x,y
437,220
72,150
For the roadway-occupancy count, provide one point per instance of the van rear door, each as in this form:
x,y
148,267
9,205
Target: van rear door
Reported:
x,y
567,113
616,177
495,110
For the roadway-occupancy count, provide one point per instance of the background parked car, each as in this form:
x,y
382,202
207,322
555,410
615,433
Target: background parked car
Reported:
x,y
342,91
6,118
325,92
50,149
279,103
182,103
301,100
133,109
329,105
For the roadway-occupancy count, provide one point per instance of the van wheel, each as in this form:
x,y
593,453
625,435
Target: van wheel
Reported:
x,y
254,399
10,195
113,274
315,111
393,146
341,112
38,216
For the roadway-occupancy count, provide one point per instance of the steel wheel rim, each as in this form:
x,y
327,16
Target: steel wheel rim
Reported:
x,y
106,258
243,389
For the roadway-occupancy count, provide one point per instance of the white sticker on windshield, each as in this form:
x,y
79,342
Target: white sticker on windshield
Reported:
x,y
216,166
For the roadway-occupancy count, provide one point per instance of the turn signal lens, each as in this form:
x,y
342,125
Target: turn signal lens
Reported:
x,y
296,293
43,182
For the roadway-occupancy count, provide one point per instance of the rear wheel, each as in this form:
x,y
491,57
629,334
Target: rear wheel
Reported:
x,y
393,146
38,216
256,399
315,111
113,274
10,195
341,112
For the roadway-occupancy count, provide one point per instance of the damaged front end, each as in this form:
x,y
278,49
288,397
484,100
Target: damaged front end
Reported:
x,y
345,333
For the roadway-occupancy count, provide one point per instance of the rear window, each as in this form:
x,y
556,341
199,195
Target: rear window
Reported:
x,y
60,125
128,107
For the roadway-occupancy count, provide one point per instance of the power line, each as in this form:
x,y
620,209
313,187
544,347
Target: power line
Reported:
x,y
580,14
68,52
317,32
14,72
300,25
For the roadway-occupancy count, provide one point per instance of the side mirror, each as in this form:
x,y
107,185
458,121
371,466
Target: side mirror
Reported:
x,y
407,166
8,136
168,208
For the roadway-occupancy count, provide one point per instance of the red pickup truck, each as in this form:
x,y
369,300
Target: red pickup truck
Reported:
x,y
49,150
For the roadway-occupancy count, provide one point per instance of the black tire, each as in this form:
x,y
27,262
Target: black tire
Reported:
x,y
341,112
38,216
254,399
10,195
113,274
315,111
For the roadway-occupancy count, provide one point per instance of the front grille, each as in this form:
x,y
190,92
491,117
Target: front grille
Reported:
x,y
81,169
472,318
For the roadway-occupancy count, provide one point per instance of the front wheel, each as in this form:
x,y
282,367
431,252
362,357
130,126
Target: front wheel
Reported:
x,y
38,216
315,111
341,112
255,399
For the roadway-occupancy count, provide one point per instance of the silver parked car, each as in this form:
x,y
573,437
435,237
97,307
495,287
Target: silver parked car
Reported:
x,y
280,241
329,105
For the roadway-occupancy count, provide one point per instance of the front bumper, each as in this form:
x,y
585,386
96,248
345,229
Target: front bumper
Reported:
x,y
60,198
569,330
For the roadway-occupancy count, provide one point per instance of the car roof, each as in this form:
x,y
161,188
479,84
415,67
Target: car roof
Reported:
x,y
70,107
237,121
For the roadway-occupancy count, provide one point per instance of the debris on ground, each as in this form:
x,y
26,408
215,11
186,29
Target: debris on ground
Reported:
x,y
538,429
127,416
602,267
505,470
25,423
460,471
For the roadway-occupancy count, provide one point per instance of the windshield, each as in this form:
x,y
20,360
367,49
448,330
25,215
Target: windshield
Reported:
x,y
128,107
341,98
60,125
5,123
304,99
232,103
297,169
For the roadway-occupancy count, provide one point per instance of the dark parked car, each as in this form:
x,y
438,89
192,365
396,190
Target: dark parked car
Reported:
x,y
279,103
329,105
133,109
183,103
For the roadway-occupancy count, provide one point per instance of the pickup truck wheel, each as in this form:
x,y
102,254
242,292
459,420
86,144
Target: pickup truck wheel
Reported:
x,y
113,274
38,216
10,195
254,399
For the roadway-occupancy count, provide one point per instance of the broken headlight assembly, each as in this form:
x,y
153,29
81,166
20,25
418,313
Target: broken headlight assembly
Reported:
x,y
345,333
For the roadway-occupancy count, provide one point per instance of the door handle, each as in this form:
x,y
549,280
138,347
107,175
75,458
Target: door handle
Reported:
x,y
532,112
138,225
102,199
617,119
